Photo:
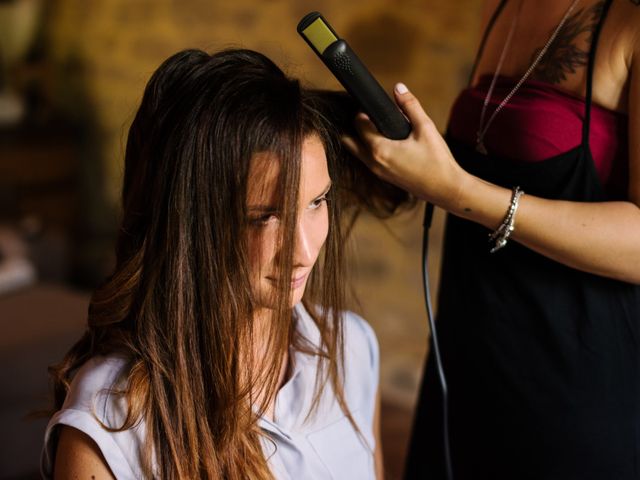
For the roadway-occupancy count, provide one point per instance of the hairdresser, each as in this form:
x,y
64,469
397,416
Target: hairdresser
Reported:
x,y
539,306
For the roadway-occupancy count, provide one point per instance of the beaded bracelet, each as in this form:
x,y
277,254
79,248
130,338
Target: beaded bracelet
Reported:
x,y
503,232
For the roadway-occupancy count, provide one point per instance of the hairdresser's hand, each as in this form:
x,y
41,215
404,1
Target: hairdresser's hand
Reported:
x,y
421,164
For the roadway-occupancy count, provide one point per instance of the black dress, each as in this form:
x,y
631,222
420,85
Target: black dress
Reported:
x,y
542,360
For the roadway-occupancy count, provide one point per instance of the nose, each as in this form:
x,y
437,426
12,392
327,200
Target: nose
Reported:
x,y
304,253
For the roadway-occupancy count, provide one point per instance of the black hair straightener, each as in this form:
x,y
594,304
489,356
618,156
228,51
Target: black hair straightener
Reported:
x,y
354,76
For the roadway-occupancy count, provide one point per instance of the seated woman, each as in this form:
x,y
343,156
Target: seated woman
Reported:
x,y
216,349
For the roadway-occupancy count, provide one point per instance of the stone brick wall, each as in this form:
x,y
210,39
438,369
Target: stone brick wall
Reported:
x,y
105,51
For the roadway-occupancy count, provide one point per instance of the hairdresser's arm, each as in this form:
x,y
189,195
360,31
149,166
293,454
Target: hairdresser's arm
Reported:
x,y
376,431
601,238
78,456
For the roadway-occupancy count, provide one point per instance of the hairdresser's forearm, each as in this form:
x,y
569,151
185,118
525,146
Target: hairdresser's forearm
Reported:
x,y
600,238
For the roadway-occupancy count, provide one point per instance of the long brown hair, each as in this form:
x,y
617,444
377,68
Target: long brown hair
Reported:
x,y
179,305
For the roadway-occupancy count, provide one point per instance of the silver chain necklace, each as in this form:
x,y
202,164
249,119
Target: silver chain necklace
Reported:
x,y
482,127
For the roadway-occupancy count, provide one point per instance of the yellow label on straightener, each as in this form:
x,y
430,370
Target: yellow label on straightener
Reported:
x,y
319,34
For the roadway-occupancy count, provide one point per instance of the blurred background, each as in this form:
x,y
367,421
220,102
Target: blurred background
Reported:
x,y
72,73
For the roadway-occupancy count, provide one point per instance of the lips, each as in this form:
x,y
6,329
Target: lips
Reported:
x,y
296,282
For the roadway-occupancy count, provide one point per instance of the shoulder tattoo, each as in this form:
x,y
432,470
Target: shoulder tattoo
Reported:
x,y
564,56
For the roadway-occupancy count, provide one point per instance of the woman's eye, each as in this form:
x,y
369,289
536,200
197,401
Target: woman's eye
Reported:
x,y
317,203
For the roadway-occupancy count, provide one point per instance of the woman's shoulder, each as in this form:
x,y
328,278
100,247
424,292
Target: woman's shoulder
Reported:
x,y
98,388
359,369
98,375
360,339
361,356
96,406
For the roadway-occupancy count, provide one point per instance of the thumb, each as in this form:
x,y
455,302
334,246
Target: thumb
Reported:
x,y
410,105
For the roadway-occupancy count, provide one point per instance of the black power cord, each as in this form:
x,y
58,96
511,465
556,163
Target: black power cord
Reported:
x,y
435,348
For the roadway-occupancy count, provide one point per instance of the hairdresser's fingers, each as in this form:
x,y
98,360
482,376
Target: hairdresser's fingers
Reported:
x,y
355,147
411,107
359,151
367,130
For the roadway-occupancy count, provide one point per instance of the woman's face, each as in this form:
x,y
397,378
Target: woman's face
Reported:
x,y
312,223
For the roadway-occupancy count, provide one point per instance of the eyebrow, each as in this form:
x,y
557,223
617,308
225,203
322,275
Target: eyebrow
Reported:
x,y
273,208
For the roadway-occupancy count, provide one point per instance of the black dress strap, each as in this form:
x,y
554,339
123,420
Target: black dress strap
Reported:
x,y
485,36
590,67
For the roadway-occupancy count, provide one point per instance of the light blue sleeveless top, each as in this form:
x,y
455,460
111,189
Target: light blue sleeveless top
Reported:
x,y
324,446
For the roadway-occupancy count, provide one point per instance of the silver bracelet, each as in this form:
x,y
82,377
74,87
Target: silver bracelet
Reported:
x,y
503,232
